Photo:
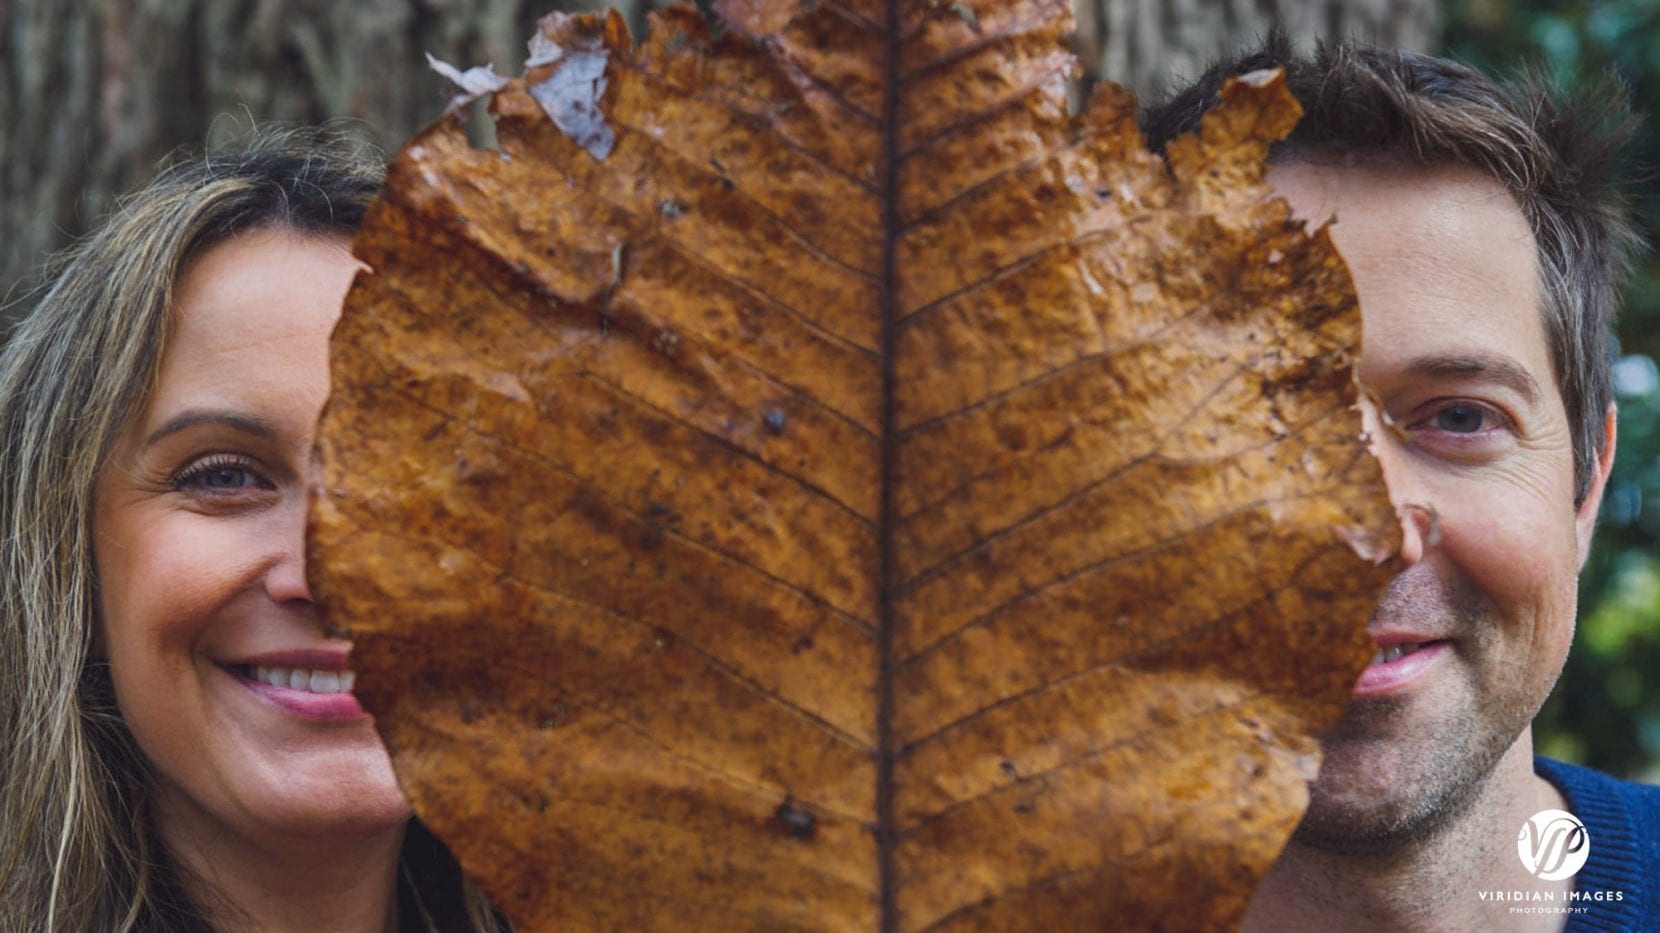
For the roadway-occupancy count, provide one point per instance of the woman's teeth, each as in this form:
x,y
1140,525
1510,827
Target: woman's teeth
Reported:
x,y
1394,652
295,678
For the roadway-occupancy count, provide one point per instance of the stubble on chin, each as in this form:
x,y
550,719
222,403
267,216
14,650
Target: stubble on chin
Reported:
x,y
1379,792
1399,771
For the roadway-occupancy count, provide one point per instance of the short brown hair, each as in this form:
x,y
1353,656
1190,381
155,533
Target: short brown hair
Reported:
x,y
1559,155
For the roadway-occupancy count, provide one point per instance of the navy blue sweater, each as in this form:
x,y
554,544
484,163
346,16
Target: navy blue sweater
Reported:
x,y
1623,821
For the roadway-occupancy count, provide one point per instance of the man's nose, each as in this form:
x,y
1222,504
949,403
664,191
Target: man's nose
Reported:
x,y
1420,530
1420,521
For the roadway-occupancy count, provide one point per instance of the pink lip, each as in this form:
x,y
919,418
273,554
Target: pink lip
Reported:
x,y
1403,672
1399,636
334,707
312,659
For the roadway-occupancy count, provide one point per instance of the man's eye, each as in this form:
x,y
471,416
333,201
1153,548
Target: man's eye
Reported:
x,y
1461,419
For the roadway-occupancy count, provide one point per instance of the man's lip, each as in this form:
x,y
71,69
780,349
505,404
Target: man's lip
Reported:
x,y
311,659
1398,637
1404,672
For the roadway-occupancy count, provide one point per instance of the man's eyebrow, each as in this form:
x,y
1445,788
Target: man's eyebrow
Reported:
x,y
193,417
1500,369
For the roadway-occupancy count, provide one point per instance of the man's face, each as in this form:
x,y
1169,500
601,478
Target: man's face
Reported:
x,y
1476,449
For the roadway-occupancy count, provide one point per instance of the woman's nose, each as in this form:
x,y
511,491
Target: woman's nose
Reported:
x,y
285,577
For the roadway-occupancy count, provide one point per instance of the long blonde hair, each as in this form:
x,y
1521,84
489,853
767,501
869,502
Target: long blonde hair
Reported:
x,y
77,851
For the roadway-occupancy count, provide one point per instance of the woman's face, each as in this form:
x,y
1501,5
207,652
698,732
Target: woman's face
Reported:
x,y
220,664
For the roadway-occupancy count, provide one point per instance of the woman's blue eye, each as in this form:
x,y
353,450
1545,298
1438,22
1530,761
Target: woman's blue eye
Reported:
x,y
218,476
1460,419
225,478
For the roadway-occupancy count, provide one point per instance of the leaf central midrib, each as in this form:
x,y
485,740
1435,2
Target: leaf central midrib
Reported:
x,y
886,825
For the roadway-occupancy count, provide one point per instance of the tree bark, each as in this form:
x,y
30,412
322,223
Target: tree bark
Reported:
x,y
1151,45
95,93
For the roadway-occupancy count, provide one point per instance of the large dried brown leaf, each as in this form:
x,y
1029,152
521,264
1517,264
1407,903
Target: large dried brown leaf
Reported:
x,y
819,484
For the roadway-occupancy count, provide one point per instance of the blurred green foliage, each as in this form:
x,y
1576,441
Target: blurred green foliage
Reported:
x,y
1606,709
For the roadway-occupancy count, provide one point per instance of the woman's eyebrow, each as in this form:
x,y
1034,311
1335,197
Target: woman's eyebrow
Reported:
x,y
192,417
1498,368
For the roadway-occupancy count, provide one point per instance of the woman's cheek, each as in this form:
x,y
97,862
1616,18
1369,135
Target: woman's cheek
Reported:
x,y
169,581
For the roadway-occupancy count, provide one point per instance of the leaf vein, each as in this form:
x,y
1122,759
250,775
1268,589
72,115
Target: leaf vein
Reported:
x,y
747,788
1185,634
1038,777
558,469
713,660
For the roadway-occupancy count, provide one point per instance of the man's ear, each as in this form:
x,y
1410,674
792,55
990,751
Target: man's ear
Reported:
x,y
1585,522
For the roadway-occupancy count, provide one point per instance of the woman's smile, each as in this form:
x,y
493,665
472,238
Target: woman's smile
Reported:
x,y
310,683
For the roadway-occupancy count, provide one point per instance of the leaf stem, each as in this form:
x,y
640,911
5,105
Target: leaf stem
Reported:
x,y
887,831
